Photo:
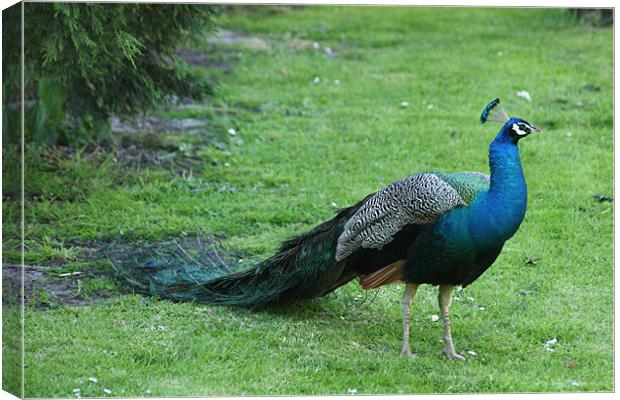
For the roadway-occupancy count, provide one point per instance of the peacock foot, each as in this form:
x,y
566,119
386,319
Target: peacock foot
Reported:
x,y
452,355
407,353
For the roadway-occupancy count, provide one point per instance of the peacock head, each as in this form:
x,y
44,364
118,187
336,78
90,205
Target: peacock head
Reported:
x,y
514,129
517,128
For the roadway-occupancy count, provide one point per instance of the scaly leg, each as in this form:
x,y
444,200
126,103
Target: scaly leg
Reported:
x,y
445,298
410,291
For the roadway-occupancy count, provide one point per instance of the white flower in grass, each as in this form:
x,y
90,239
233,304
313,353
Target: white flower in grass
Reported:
x,y
550,342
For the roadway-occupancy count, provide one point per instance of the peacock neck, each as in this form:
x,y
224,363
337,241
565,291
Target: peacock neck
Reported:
x,y
498,214
507,180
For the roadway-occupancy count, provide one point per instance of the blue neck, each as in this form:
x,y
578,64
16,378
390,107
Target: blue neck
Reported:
x,y
497,214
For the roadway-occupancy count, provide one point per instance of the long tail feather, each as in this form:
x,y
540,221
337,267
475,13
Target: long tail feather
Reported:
x,y
303,268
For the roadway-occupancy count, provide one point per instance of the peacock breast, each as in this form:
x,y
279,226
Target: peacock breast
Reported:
x,y
449,253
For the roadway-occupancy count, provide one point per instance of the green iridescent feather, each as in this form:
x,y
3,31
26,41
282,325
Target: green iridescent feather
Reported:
x,y
303,268
467,184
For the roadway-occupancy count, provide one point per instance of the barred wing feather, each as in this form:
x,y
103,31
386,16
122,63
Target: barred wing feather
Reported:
x,y
417,199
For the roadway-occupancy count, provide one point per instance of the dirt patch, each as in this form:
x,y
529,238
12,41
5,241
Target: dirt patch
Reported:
x,y
221,52
159,125
212,58
179,161
229,38
42,290
174,144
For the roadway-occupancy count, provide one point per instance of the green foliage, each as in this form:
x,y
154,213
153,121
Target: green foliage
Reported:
x,y
594,16
12,366
89,61
42,117
99,285
55,174
41,297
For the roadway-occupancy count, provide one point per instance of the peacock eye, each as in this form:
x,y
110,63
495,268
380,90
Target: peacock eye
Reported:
x,y
525,128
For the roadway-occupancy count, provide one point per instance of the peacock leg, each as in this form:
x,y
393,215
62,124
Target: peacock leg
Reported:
x,y
445,298
410,291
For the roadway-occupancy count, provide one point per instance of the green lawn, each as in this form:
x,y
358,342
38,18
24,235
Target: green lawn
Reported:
x,y
307,146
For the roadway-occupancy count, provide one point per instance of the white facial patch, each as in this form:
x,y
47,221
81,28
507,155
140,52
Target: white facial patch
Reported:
x,y
518,131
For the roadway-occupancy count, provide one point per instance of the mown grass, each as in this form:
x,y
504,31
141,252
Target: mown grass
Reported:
x,y
309,146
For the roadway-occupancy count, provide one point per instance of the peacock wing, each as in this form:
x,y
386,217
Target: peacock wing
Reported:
x,y
417,199
467,184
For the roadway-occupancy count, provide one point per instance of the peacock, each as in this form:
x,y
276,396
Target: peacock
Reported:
x,y
443,229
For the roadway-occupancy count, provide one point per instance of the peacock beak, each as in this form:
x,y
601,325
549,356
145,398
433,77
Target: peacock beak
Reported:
x,y
535,129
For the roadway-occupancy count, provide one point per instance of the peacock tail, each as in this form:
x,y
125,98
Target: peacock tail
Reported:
x,y
304,267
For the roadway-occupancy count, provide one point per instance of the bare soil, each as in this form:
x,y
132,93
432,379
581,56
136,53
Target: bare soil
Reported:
x,y
41,289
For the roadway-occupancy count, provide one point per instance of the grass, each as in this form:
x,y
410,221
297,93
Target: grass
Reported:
x,y
306,146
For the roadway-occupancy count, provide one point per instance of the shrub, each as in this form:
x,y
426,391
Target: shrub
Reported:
x,y
595,16
89,61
